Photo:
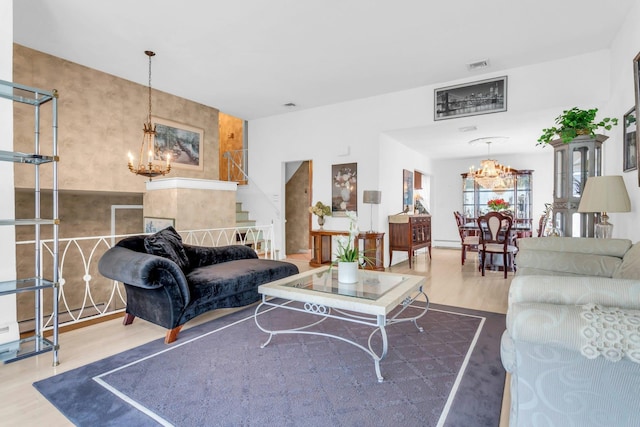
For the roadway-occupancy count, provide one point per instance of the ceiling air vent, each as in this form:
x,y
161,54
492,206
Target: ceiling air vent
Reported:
x,y
478,64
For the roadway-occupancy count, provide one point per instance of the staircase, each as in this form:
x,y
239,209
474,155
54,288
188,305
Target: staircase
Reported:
x,y
242,217
247,236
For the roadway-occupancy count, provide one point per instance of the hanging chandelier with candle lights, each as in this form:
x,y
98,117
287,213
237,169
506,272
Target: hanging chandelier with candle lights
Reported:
x,y
491,174
146,165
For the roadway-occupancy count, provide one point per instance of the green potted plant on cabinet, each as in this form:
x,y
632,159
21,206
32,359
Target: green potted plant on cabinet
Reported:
x,y
574,122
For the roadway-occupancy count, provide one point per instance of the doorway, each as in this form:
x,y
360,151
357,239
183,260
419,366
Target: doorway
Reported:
x,y
298,196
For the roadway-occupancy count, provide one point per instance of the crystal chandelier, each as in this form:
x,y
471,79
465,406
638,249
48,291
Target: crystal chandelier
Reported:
x,y
146,166
491,174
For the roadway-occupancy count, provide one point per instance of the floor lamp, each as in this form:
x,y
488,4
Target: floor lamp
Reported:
x,y
373,198
604,194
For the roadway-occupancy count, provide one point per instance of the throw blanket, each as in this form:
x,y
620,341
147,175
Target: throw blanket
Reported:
x,y
611,333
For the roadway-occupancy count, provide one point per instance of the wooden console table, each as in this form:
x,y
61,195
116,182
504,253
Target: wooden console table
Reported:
x,y
409,233
322,251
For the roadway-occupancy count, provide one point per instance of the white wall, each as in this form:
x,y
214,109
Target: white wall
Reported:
x,y
7,234
624,48
355,132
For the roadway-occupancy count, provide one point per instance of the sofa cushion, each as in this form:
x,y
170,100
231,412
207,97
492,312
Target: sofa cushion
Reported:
x,y
630,267
584,264
167,243
228,278
581,245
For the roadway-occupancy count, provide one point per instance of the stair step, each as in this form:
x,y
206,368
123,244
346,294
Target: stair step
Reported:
x,y
247,223
242,216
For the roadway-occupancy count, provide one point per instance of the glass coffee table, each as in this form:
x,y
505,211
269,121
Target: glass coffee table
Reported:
x,y
370,301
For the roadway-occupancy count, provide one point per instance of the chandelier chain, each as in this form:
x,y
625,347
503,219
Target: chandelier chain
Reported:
x,y
150,54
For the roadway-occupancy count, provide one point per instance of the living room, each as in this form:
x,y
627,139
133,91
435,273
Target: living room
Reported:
x,y
376,131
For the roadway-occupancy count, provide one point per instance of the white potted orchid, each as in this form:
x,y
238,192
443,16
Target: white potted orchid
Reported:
x,y
348,257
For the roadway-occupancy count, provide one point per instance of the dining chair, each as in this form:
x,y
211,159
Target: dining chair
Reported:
x,y
466,240
495,236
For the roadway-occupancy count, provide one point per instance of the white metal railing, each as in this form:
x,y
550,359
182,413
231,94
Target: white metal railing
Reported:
x,y
236,165
85,294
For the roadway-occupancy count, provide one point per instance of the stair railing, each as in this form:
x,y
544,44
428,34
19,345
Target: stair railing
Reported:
x,y
237,167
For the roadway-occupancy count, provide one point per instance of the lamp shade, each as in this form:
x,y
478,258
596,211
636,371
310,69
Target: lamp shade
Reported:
x,y
605,194
372,197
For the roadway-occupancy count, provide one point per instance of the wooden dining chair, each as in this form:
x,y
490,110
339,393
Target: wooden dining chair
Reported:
x,y
466,240
495,237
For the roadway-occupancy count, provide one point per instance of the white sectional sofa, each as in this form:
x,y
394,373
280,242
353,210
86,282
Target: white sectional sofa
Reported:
x,y
572,343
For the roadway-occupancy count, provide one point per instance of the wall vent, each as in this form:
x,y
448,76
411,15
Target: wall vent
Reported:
x,y
478,64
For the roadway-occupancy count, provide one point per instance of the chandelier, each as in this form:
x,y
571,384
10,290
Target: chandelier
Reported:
x,y
146,166
491,174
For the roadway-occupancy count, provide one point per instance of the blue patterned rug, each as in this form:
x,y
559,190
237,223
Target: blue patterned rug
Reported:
x,y
216,374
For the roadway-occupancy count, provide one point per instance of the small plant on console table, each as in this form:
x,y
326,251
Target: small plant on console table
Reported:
x,y
574,122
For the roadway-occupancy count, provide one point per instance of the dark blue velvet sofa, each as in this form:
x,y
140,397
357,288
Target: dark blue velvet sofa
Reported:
x,y
169,283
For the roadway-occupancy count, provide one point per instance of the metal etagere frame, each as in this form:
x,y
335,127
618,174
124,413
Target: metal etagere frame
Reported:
x,y
37,343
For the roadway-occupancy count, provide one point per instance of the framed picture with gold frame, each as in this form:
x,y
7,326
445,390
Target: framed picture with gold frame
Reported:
x,y
154,224
185,144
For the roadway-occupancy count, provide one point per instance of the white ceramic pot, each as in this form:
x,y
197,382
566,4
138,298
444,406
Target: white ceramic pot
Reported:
x,y
347,272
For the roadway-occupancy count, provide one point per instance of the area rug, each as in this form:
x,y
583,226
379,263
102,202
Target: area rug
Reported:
x,y
216,374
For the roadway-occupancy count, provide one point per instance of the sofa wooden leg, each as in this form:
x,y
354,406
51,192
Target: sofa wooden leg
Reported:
x,y
172,335
128,319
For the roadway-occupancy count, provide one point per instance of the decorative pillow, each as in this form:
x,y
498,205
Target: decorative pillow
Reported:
x,y
167,243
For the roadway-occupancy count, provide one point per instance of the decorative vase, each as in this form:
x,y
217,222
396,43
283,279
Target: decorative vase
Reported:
x,y
320,221
345,193
347,272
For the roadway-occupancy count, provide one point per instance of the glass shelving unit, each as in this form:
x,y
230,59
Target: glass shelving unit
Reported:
x,y
37,343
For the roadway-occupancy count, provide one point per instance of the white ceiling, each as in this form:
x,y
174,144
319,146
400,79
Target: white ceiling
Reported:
x,y
250,57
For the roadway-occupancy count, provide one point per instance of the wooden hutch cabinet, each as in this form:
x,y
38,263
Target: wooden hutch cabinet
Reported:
x,y
408,233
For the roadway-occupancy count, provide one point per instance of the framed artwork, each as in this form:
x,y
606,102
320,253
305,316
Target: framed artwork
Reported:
x,y
629,143
344,189
185,144
470,99
636,86
407,189
154,224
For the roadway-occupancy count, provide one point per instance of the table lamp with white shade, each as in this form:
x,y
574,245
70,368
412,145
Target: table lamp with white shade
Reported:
x,y
604,194
371,197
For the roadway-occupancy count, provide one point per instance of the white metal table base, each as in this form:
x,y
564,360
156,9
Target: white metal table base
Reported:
x,y
379,322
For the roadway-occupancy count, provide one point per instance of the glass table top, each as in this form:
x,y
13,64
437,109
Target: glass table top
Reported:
x,y
370,285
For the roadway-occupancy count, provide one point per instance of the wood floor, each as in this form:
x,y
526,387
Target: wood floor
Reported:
x,y
447,283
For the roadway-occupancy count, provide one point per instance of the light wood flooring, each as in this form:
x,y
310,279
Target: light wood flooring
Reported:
x,y
447,283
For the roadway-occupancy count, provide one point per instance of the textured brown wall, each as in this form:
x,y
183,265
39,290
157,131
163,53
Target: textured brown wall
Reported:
x,y
297,203
192,209
100,119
